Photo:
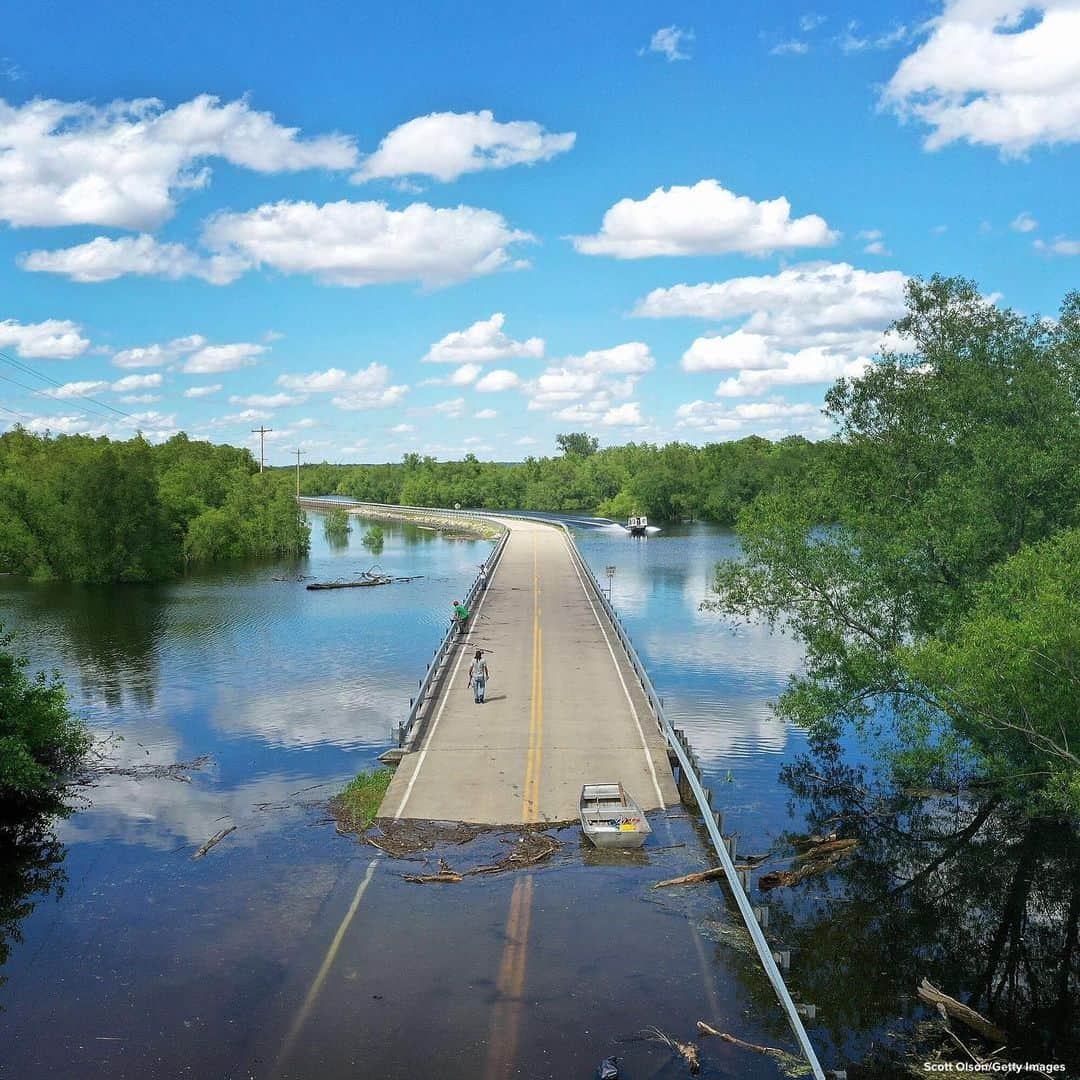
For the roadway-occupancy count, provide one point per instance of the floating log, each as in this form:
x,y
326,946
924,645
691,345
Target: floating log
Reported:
x,y
959,1011
770,1051
829,847
692,879
215,839
821,857
349,584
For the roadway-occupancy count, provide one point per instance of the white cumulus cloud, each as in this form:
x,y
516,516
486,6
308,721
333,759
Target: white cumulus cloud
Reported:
x,y
76,389
717,416
631,358
203,391
365,388
807,324
797,303
447,145
52,339
1001,73
137,382
1059,246
465,374
1023,223
215,359
103,259
705,219
671,42
499,379
367,243
623,415
483,342
267,401
124,164
157,355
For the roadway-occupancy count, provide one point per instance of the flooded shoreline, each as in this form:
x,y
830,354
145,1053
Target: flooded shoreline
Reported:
x,y
139,961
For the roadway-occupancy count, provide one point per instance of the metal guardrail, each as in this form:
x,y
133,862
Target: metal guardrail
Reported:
x,y
688,771
686,766
405,728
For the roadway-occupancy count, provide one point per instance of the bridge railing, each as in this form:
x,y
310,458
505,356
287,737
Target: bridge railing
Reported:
x,y
687,766
405,728
689,771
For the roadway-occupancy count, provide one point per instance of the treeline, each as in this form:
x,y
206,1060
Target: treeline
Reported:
x,y
96,510
669,483
939,608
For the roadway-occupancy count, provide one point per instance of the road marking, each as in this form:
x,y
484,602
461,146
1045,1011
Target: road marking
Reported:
x,y
506,1014
530,799
324,969
445,696
618,671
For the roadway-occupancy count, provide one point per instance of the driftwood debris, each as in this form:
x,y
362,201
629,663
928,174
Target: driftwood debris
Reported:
x,y
215,839
687,1051
446,875
959,1011
450,877
770,1051
529,849
692,879
815,859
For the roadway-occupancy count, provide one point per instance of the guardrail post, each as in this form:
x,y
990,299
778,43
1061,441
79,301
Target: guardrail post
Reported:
x,y
807,1011
783,958
762,915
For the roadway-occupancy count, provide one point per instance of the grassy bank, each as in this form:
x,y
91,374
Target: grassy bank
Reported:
x,y
355,808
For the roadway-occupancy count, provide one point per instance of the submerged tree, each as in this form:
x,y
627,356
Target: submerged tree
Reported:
x,y
374,539
41,742
336,525
951,457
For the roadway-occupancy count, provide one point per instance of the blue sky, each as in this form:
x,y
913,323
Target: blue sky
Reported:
x,y
378,230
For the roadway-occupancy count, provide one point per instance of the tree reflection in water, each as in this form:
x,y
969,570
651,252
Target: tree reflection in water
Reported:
x,y
982,901
31,869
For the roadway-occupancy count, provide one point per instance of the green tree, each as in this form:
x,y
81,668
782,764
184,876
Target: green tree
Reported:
x,y
40,740
948,459
577,444
1007,672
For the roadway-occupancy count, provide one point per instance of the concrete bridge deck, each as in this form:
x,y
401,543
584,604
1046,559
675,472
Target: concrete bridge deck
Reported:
x,y
563,708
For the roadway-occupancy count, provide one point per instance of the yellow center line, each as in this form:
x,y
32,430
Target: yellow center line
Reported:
x,y
506,1015
530,805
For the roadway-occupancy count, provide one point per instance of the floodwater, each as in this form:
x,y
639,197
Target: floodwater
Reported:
x,y
292,951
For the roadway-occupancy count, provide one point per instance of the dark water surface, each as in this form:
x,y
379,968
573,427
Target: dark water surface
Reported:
x,y
291,951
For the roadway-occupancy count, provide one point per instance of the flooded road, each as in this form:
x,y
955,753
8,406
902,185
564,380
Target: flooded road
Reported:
x,y
292,951
261,959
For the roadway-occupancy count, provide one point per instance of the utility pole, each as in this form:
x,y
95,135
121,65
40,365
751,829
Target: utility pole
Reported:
x,y
261,432
298,452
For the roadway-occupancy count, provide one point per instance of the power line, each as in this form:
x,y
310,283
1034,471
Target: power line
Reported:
x,y
21,416
27,370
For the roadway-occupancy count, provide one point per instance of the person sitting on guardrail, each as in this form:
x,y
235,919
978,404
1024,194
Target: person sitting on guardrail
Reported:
x,y
478,676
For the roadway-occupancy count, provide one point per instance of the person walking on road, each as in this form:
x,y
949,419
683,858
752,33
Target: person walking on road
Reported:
x,y
478,676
